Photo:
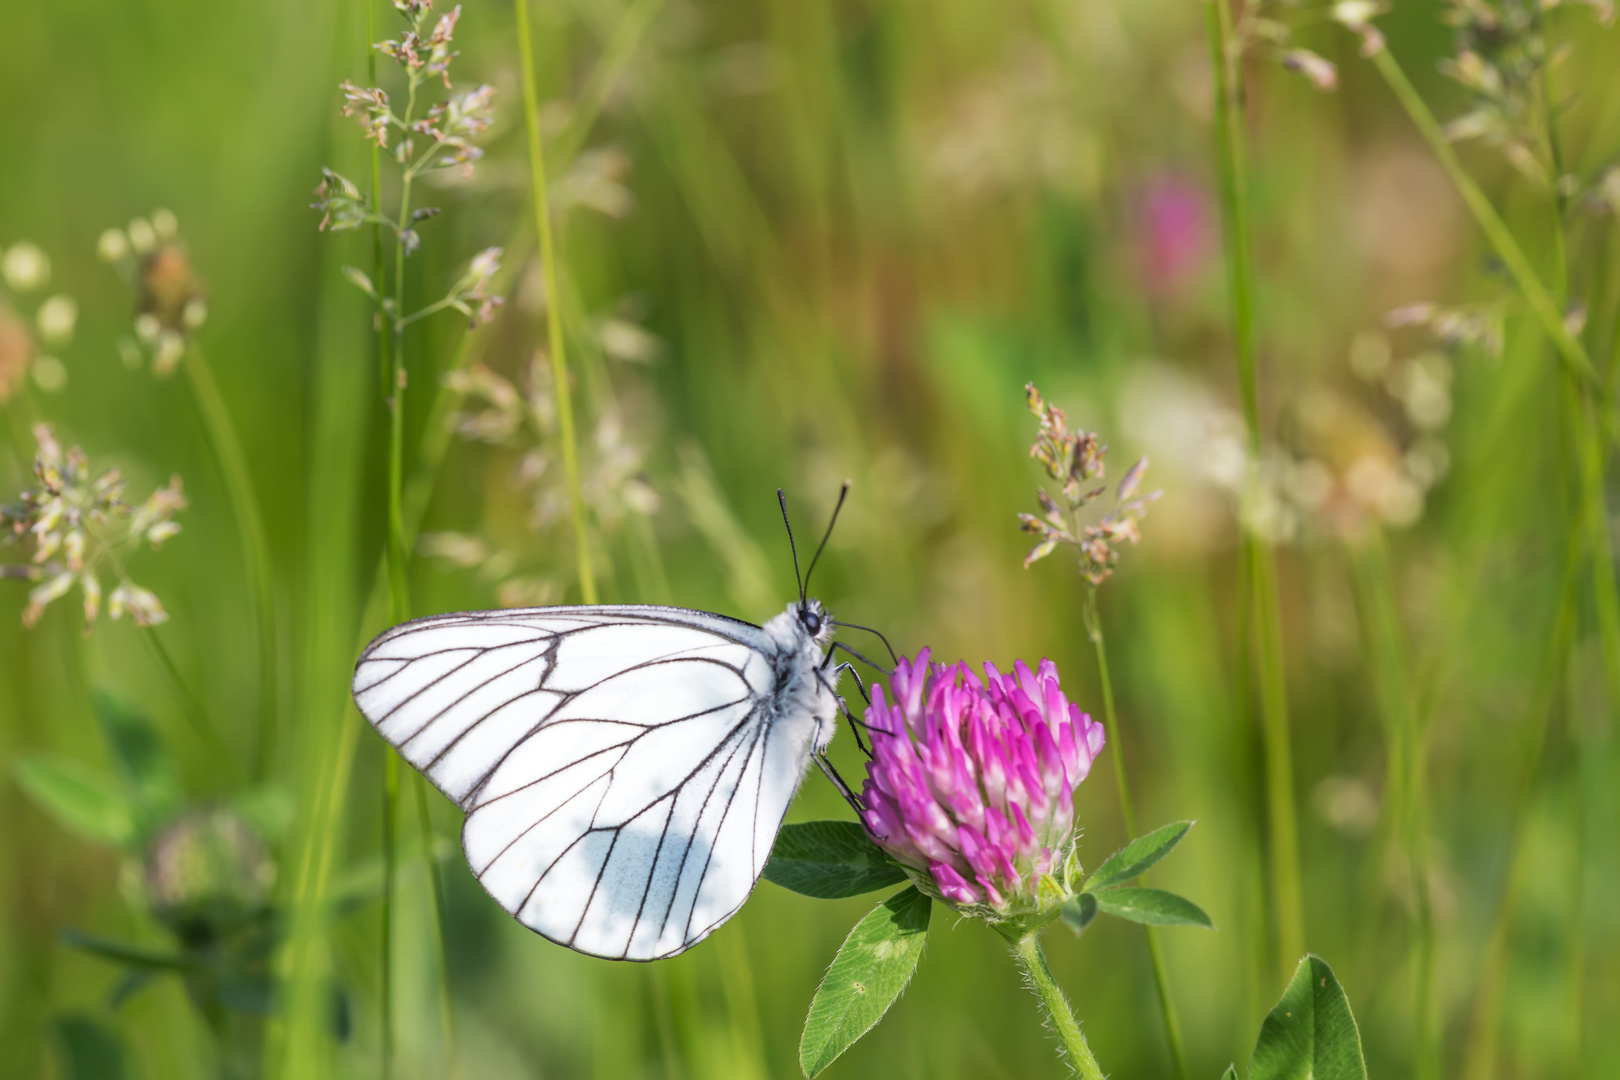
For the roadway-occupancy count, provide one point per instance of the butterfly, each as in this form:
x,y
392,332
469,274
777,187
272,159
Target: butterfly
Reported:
x,y
624,769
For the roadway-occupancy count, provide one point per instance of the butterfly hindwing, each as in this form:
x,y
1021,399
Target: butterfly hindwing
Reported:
x,y
624,769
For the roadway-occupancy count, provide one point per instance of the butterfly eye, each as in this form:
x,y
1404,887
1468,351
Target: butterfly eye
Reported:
x,y
811,618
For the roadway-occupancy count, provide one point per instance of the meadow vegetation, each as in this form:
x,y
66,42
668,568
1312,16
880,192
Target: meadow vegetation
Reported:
x,y
1347,278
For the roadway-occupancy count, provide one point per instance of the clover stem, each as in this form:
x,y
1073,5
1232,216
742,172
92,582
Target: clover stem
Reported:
x,y
1032,961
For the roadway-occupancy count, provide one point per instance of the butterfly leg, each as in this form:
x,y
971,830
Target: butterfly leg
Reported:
x,y
838,782
857,655
843,706
859,685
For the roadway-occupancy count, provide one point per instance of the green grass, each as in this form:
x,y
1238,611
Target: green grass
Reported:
x,y
858,230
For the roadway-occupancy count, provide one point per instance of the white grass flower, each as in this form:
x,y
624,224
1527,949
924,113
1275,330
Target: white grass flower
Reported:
x,y
170,347
56,319
142,237
112,246
165,225
81,527
49,374
25,267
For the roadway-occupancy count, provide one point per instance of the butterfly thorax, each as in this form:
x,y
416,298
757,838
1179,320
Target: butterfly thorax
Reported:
x,y
801,634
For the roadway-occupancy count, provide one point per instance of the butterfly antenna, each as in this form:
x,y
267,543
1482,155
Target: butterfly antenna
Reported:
x,y
842,495
781,497
869,630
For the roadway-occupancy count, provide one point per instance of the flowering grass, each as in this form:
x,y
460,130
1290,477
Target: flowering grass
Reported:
x,y
1356,303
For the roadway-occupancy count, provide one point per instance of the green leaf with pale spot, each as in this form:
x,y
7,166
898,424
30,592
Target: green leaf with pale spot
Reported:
x,y
1132,860
1230,1073
829,860
81,799
1311,1034
871,969
1154,907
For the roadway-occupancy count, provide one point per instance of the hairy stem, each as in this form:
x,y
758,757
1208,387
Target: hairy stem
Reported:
x,y
255,547
1260,560
1167,1008
548,266
1032,961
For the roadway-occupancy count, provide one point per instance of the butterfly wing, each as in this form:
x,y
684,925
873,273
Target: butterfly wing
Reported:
x,y
624,769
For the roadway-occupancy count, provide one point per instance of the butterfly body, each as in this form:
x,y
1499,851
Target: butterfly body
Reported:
x,y
624,769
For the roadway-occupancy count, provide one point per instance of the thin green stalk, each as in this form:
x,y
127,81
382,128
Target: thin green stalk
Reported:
x,y
1479,1056
399,600
390,804
1589,453
1161,983
447,1011
398,584
617,53
1387,652
1279,754
664,1021
1265,599
1127,808
195,714
250,533
1536,295
1032,961
548,265
380,330
1591,519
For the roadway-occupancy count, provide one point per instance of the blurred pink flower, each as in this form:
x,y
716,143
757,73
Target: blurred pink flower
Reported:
x,y
971,784
1174,234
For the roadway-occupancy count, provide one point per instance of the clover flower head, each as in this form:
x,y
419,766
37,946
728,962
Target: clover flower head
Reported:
x,y
971,784
208,871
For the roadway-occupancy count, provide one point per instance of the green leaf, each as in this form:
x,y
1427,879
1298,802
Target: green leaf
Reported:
x,y
135,956
1080,911
829,860
1310,1035
1132,860
90,1049
871,969
1230,1073
82,800
145,764
1155,907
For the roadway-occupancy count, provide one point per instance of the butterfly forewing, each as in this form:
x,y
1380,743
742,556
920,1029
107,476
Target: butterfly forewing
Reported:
x,y
624,769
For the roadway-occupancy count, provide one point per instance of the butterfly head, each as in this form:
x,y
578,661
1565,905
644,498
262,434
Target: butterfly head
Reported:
x,y
815,620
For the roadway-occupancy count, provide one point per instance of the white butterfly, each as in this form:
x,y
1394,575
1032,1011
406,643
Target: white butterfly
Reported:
x,y
624,769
